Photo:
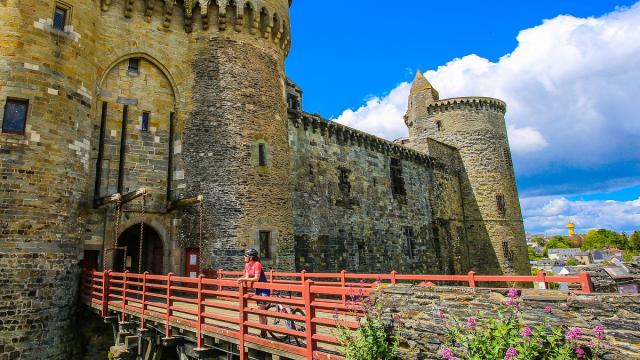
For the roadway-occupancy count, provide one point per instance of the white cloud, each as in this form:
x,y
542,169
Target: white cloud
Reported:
x,y
381,116
570,86
551,214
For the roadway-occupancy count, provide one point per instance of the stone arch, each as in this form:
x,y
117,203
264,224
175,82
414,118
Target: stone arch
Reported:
x,y
154,223
151,59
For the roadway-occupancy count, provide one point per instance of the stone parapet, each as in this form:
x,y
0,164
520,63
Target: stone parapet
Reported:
x,y
466,104
424,332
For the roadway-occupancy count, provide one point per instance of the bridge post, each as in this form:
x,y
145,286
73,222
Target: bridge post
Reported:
x,y
144,299
200,318
167,333
243,318
105,293
124,295
393,277
472,279
343,284
310,314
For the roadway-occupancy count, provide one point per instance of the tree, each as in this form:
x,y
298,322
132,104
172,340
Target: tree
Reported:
x,y
604,239
532,254
571,262
633,243
538,240
556,242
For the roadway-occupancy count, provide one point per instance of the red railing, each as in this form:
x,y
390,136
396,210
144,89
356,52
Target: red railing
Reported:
x,y
318,303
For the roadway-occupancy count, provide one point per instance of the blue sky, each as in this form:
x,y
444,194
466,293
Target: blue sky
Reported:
x,y
569,71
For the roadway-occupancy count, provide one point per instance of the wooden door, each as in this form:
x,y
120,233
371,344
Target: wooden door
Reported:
x,y
192,262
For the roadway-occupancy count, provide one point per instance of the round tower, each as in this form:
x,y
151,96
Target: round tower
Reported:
x,y
476,127
236,150
46,84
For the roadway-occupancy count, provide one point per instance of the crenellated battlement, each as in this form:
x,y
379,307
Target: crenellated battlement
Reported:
x,y
253,16
467,103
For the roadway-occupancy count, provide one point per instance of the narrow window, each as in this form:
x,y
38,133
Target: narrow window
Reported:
x,y
60,18
436,241
397,181
145,121
506,252
439,125
506,154
500,204
144,126
134,65
343,181
409,243
262,155
362,255
265,244
15,116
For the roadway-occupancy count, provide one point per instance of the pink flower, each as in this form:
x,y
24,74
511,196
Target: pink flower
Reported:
x,y
441,315
526,332
574,334
511,353
513,293
447,354
471,323
580,353
598,332
548,309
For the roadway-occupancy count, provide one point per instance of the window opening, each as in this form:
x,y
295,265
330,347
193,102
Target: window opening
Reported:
x,y
15,116
397,181
60,18
508,255
409,243
506,154
265,245
145,121
439,125
436,241
500,204
343,178
262,155
134,65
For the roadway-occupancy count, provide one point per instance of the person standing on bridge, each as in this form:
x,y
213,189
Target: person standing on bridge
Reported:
x,y
253,272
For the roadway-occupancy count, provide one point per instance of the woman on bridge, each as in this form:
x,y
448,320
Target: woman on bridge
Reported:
x,y
253,272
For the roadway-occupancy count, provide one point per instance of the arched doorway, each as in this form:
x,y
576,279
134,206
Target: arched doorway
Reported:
x,y
152,250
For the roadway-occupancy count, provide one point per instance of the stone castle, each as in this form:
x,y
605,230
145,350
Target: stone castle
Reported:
x,y
188,99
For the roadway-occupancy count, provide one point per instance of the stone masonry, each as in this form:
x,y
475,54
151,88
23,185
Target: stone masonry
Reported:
x,y
191,98
423,331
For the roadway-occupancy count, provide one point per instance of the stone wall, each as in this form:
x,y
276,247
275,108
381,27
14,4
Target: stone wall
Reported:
x,y
423,330
348,216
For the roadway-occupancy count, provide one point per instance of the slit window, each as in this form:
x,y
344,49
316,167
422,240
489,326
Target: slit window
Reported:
x,y
436,241
397,181
144,126
506,154
506,252
60,15
265,244
343,178
262,155
134,65
439,125
500,204
409,243
15,116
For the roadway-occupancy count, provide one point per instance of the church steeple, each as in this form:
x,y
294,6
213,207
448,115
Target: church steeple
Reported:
x,y
422,94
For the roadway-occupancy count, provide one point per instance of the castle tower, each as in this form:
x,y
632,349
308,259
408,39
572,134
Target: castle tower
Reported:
x,y
103,97
476,127
46,102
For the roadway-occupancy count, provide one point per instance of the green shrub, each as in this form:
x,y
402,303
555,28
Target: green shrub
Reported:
x,y
507,337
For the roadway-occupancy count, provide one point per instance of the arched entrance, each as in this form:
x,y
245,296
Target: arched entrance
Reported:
x,y
152,250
